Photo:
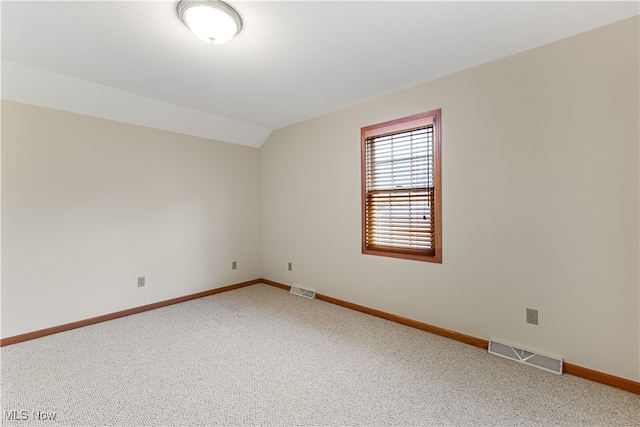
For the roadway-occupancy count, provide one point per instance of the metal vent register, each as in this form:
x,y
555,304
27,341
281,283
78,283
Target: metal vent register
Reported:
x,y
307,293
528,357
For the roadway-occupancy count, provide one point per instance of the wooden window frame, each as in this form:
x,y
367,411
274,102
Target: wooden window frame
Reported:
x,y
397,126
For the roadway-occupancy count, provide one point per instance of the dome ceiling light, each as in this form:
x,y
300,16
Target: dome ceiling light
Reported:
x,y
211,21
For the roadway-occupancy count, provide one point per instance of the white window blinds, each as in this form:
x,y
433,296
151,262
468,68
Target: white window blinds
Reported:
x,y
400,191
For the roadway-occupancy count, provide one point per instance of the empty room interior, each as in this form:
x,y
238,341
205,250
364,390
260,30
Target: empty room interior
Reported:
x,y
169,199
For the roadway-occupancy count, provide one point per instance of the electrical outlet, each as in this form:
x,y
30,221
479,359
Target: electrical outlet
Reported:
x,y
290,266
141,282
234,265
532,316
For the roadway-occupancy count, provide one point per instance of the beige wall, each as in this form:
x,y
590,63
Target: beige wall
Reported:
x,y
88,205
540,203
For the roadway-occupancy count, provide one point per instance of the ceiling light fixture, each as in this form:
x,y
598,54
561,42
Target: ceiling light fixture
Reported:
x,y
211,20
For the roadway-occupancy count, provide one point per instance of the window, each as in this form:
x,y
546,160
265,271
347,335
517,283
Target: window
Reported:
x,y
401,197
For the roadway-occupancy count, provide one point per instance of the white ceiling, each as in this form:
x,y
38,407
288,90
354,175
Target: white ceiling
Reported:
x,y
135,61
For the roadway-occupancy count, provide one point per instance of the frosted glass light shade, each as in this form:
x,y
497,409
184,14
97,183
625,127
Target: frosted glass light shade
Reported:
x,y
211,21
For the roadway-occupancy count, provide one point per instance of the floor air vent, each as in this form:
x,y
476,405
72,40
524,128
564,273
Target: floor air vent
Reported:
x,y
307,293
513,352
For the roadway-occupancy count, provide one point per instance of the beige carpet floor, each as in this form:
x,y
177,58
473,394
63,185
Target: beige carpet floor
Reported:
x,y
260,356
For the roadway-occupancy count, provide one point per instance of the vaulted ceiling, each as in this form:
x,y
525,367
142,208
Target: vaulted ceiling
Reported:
x,y
135,61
